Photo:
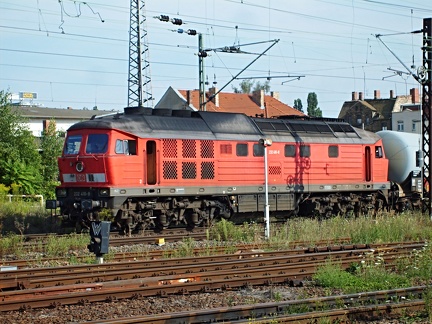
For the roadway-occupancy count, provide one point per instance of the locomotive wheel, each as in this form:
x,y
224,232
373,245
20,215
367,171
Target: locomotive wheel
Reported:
x,y
125,229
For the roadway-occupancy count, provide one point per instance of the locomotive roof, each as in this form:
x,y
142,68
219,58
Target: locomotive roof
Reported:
x,y
186,124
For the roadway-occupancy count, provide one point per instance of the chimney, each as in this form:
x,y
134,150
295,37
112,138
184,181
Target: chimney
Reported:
x,y
354,96
45,124
258,98
415,97
214,99
275,95
391,94
361,96
188,97
377,94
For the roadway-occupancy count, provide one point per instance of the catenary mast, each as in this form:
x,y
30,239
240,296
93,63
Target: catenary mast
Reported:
x,y
139,82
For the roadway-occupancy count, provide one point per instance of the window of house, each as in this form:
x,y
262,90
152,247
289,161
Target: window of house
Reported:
x,y
416,125
242,149
400,126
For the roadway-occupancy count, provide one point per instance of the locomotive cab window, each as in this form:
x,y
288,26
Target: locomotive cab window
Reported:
x,y
258,150
378,152
73,144
97,143
305,151
333,151
127,147
290,150
242,150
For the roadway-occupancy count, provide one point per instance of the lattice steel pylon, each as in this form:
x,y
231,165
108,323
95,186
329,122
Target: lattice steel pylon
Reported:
x,y
427,110
139,82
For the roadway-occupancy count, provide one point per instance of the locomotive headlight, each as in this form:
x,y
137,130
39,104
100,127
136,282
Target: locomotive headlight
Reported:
x,y
104,192
61,192
79,166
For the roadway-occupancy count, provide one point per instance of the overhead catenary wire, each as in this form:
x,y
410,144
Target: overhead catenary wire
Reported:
x,y
301,45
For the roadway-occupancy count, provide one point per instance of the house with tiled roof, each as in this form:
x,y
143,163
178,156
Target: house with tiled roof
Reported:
x,y
257,104
378,113
38,118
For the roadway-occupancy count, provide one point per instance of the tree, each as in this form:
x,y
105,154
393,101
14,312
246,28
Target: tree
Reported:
x,y
248,86
312,105
245,86
51,147
298,105
265,86
20,162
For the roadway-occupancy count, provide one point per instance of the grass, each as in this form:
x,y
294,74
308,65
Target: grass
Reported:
x,y
20,217
370,274
361,230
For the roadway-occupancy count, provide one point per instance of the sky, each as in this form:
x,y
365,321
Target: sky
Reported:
x,y
76,54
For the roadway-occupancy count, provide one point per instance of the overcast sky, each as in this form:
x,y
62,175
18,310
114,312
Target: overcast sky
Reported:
x,y
76,54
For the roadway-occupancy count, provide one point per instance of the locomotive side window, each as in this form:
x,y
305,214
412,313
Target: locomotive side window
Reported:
x,y
333,151
258,150
97,143
119,147
132,147
378,152
305,151
73,144
242,150
127,147
290,151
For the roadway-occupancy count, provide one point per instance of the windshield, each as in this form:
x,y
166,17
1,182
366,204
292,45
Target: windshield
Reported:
x,y
73,144
97,143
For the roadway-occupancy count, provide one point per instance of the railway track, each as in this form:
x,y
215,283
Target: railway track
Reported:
x,y
85,284
148,253
334,309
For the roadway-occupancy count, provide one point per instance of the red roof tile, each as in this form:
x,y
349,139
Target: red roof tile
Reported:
x,y
243,103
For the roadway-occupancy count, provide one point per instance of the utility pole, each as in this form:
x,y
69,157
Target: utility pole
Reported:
x,y
426,72
139,83
201,55
424,77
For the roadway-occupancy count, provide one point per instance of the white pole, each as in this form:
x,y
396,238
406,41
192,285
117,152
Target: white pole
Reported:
x,y
266,206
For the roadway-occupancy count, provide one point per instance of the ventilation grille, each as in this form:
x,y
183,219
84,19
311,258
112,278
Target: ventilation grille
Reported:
x,y
275,170
207,149
170,169
207,170
189,149
189,170
169,148
226,149
173,164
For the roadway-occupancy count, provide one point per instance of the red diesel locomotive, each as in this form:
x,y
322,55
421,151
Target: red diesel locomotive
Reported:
x,y
156,168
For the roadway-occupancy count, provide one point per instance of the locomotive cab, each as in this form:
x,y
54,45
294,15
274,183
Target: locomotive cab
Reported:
x,y
92,160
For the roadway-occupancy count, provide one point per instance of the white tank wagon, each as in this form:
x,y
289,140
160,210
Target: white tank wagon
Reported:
x,y
402,151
